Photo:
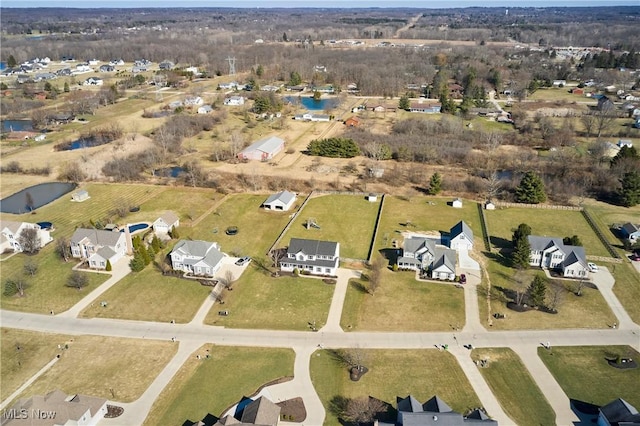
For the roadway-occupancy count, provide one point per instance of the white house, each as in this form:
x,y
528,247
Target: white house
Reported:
x,y
80,196
193,101
196,257
618,412
98,246
205,109
423,254
93,81
461,237
489,205
630,232
234,101
312,256
10,235
79,410
457,203
552,253
165,223
282,201
444,264
264,149
312,117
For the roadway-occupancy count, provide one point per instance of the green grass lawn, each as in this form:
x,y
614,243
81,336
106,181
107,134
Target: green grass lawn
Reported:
x,y
584,374
347,219
424,217
47,289
88,366
543,222
257,227
516,391
150,296
557,94
188,203
571,308
408,305
284,303
627,288
213,385
431,372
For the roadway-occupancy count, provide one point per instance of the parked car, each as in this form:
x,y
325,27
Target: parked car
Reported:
x,y
243,260
592,267
635,257
463,279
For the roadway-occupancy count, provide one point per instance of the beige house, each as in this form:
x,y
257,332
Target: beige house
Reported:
x,y
98,246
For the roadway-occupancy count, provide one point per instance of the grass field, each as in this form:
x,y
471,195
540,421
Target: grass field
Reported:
x,y
410,305
431,372
627,288
212,385
571,308
150,296
543,222
283,303
584,374
88,366
47,289
557,94
348,219
423,216
516,391
258,228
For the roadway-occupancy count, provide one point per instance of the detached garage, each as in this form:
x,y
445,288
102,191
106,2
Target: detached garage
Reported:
x,y
263,150
281,201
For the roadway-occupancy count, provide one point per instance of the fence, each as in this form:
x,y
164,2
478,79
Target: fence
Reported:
x,y
538,206
600,235
375,229
286,228
485,228
604,259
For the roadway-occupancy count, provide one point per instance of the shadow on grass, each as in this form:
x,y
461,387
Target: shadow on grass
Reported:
x,y
585,411
359,287
499,242
502,257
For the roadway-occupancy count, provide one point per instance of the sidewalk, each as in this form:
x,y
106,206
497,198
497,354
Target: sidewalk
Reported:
x,y
605,282
337,302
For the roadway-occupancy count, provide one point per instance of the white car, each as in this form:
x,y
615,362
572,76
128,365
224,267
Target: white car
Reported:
x,y
592,267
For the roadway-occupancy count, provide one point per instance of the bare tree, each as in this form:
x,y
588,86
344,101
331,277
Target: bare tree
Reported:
x,y
363,410
228,279
375,274
72,171
78,280
276,255
29,240
63,248
236,143
555,295
493,185
522,285
579,286
30,267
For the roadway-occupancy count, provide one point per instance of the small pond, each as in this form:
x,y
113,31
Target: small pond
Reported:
x,y
34,197
79,144
173,172
17,125
311,104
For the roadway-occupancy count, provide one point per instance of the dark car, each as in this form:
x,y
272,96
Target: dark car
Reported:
x,y
635,257
463,279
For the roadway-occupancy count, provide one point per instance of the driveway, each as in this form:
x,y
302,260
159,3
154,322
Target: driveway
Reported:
x,y
466,262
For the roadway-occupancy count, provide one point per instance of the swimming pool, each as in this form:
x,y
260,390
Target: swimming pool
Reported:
x,y
137,227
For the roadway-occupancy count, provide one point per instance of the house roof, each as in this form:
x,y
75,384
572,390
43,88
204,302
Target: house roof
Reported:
x,y
409,405
461,228
97,237
106,253
312,247
444,260
283,196
414,244
169,217
261,412
11,225
227,420
270,144
573,254
542,243
630,228
67,410
620,411
198,251
435,404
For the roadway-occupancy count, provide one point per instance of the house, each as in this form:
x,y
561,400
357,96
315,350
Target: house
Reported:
x,y
461,237
618,412
10,235
455,90
577,91
625,142
425,108
319,68
282,201
205,109
165,223
559,83
384,108
312,117
260,411
264,149
107,68
228,86
269,88
175,104
443,266
417,254
93,81
552,253
196,257
489,205
98,246
352,122
605,104
312,256
457,203
166,65
193,101
631,232
80,196
193,70
66,410
234,101
432,413
371,197
40,137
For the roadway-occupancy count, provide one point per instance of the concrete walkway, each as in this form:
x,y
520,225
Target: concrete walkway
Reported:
x,y
471,307
28,383
337,302
120,270
605,281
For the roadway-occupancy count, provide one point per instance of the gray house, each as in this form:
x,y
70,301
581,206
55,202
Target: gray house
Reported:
x,y
618,412
630,232
422,254
552,253
461,237
196,257
434,412
312,256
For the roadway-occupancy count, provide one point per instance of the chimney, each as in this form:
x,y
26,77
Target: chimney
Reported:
x,y
127,237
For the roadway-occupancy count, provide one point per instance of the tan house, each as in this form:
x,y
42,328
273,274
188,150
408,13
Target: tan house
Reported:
x,y
165,223
98,246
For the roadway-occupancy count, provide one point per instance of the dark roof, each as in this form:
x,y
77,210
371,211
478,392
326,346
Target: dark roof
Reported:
x,y
630,228
313,247
620,412
409,404
436,405
461,228
261,412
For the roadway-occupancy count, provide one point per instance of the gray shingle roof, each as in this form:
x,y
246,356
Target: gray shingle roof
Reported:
x,y
312,247
541,243
269,145
461,228
436,405
202,251
413,244
630,228
169,217
98,237
446,258
283,196
261,412
409,405
572,254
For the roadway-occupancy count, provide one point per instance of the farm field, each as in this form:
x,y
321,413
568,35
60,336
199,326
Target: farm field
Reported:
x,y
432,373
410,305
191,396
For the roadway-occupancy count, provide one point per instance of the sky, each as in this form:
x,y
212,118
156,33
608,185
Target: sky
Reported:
x,y
314,3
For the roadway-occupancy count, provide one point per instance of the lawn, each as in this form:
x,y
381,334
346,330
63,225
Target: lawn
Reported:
x,y
571,308
150,296
431,372
410,305
543,222
584,374
347,219
46,290
202,386
258,228
424,214
627,288
284,303
188,203
558,94
88,366
516,391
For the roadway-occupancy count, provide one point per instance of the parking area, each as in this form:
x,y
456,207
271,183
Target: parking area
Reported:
x,y
229,264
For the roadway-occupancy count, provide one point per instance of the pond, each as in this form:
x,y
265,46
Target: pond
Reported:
x,y
173,172
17,125
79,143
311,104
34,197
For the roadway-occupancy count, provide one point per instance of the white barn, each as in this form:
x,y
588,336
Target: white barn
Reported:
x,y
282,201
263,150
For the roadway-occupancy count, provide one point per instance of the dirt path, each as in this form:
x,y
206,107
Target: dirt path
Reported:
x,y
408,26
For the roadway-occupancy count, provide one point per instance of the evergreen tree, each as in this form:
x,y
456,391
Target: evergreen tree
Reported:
x,y
404,102
531,189
66,87
537,291
137,263
284,37
156,244
108,268
260,71
435,184
522,232
521,253
629,193
294,79
11,62
572,241
316,95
